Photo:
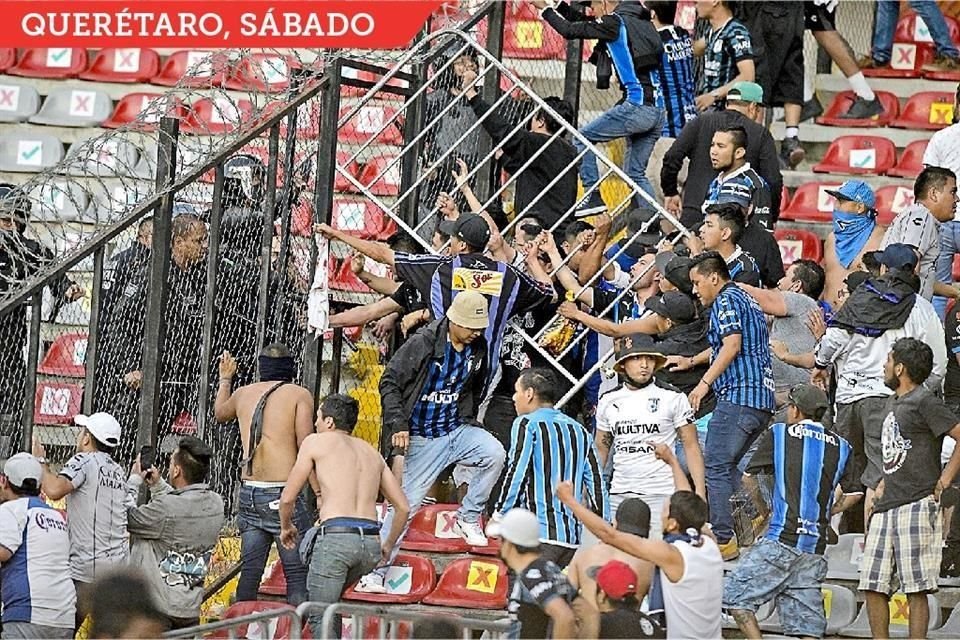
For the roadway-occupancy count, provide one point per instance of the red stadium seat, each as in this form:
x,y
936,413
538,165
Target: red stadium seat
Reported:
x,y
342,278
130,107
472,583
841,104
408,581
926,110
66,356
798,244
911,28
8,58
213,116
431,530
527,37
911,160
381,181
194,69
57,402
871,155
891,201
361,218
906,61
370,121
370,76
50,63
184,424
279,629
308,120
123,66
262,72
301,218
276,582
810,203
340,182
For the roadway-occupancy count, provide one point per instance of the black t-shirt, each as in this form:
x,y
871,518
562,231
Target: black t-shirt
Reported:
x,y
628,623
951,332
763,248
911,437
533,589
409,298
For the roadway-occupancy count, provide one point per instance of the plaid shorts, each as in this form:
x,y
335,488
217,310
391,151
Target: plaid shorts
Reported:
x,y
907,540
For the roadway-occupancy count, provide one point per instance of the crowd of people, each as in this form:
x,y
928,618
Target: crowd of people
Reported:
x,y
723,386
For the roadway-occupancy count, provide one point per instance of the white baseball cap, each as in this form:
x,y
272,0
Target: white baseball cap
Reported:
x,y
23,467
518,526
102,426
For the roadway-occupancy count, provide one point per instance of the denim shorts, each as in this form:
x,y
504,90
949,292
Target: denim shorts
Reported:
x,y
771,570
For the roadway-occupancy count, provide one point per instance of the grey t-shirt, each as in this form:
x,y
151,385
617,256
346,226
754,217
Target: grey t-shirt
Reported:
x,y
96,516
917,227
792,329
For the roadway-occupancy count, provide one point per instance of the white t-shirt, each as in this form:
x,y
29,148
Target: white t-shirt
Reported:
x,y
943,150
692,604
36,582
639,420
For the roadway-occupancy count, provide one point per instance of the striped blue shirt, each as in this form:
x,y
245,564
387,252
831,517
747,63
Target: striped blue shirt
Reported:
x,y
436,413
548,447
676,79
748,380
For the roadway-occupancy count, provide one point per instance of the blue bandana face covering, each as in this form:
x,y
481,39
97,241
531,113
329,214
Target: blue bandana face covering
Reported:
x,y
851,232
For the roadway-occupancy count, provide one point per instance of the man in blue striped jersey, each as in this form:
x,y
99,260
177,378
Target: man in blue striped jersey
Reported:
x,y
548,447
807,462
741,375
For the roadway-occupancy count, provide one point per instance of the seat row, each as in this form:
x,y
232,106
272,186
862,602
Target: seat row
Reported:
x,y
871,155
913,47
925,110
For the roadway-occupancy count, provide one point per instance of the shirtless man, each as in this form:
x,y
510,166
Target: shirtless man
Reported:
x,y
351,474
855,232
633,516
279,415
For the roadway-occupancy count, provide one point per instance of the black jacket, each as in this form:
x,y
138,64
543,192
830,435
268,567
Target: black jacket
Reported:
x,y
557,159
694,143
406,373
687,340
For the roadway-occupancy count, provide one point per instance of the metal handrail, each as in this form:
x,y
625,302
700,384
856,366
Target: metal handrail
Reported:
x,y
260,618
390,616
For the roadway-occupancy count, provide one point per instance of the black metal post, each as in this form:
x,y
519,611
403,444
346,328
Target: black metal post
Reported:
x,y
210,302
266,241
323,206
155,322
30,383
93,334
572,69
291,191
409,163
337,348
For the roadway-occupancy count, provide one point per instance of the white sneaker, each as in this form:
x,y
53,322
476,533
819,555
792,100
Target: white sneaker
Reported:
x,y
471,532
371,583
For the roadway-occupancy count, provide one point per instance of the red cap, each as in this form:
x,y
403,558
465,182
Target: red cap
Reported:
x,y
617,580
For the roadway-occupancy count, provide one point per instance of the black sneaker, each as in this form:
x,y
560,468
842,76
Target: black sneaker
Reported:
x,y
862,109
592,206
811,109
791,153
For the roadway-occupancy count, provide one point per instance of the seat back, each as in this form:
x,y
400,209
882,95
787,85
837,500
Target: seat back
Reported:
x,y
408,580
18,102
527,36
262,72
194,69
214,116
145,109
892,200
277,628
51,63
59,201
123,65
911,160
381,175
431,529
811,203
29,151
370,76
839,606
74,107
66,356
858,155
841,104
370,121
927,110
8,57
342,277
472,583
912,28
899,618
57,402
103,157
798,244
843,558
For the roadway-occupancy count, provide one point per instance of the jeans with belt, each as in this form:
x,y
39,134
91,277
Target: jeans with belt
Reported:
x,y
885,26
949,247
259,524
340,557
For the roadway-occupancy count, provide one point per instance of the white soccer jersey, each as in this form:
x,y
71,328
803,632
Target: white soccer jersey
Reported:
x,y
639,420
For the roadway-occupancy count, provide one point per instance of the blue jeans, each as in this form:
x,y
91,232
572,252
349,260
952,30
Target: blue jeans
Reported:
x,y
949,247
639,125
888,12
259,524
732,430
426,459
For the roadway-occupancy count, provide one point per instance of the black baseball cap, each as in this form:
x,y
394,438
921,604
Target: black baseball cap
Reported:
x,y
633,516
473,230
676,269
810,399
673,305
898,256
641,219
855,279
447,227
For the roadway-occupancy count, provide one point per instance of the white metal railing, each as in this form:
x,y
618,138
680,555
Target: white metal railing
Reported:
x,y
389,622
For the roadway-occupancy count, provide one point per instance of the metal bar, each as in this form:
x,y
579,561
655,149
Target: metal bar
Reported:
x,y
323,208
266,239
572,69
286,207
30,382
408,159
93,333
155,322
575,389
336,359
222,580
491,86
231,624
210,302
104,236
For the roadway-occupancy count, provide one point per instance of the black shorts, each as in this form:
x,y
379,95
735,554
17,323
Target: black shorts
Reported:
x,y
819,18
779,56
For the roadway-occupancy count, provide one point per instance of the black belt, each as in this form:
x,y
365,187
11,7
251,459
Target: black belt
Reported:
x,y
363,531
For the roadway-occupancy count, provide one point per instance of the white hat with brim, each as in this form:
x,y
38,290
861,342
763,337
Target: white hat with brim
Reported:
x,y
102,426
518,526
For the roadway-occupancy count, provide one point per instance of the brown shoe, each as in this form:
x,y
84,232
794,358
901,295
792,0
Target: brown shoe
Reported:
x,y
867,62
942,63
